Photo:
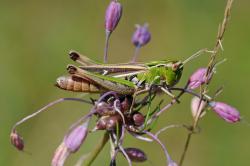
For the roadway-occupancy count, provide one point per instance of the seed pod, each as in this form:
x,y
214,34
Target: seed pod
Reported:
x,y
126,104
226,112
16,140
103,108
138,119
108,122
136,155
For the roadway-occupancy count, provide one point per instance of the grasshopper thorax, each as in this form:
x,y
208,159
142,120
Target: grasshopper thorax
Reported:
x,y
173,72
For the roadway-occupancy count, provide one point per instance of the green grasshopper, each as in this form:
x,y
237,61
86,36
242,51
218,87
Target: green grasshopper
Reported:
x,y
125,79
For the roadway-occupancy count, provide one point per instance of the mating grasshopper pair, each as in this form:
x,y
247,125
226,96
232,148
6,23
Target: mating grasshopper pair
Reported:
x,y
125,79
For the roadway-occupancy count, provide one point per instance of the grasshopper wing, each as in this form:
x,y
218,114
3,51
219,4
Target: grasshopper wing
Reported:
x,y
110,83
82,59
93,66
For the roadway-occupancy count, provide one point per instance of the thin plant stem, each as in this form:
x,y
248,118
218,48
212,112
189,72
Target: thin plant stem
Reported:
x,y
136,53
211,64
47,106
154,137
185,148
106,47
93,154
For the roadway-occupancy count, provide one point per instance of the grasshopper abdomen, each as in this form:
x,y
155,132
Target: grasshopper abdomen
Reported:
x,y
77,84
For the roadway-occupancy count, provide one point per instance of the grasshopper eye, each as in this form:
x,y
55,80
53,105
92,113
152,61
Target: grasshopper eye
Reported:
x,y
176,66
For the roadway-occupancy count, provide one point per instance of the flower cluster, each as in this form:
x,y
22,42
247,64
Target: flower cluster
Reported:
x,y
119,113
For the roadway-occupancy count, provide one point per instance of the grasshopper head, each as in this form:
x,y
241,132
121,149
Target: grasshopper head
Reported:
x,y
61,82
173,72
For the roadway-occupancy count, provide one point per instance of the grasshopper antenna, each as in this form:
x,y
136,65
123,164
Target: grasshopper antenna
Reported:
x,y
195,55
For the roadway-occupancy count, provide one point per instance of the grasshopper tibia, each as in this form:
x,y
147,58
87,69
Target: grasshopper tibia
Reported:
x,y
74,55
71,69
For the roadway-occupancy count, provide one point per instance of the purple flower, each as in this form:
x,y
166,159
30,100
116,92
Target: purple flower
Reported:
x,y
60,155
16,140
141,35
195,103
75,138
226,112
113,15
136,155
198,78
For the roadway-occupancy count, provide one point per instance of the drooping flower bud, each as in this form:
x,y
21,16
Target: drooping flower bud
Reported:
x,y
136,155
75,138
226,112
16,140
60,155
113,15
197,106
138,119
141,36
198,78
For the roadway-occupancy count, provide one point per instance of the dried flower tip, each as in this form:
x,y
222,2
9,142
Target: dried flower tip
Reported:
x,y
113,15
225,111
198,78
141,36
16,140
195,103
60,155
138,119
136,155
75,138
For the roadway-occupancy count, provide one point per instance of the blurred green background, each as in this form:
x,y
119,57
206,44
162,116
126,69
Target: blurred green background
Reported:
x,y
35,37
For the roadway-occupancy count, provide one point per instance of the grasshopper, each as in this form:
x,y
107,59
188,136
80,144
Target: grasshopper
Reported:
x,y
125,79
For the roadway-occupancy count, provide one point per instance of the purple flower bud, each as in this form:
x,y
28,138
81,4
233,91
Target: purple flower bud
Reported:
x,y
16,140
113,15
141,36
75,138
198,78
225,111
136,155
195,103
60,155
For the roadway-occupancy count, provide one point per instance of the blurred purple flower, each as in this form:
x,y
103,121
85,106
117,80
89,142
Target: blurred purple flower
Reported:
x,y
195,103
141,36
225,111
75,138
60,155
113,15
198,78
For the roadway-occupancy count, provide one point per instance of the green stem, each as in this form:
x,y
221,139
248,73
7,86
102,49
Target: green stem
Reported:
x,y
93,154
